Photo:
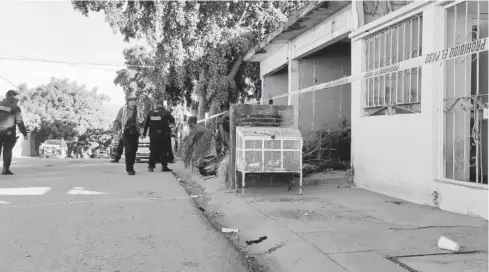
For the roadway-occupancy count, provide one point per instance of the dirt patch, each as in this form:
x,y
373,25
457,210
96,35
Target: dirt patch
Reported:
x,y
202,203
309,212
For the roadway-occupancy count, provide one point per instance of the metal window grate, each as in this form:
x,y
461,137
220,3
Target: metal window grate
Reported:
x,y
398,92
465,86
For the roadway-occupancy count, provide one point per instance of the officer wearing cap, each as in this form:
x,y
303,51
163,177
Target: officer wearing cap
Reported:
x,y
158,121
127,122
10,117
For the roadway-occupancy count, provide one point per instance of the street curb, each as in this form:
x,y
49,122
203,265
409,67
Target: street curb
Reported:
x,y
282,250
191,187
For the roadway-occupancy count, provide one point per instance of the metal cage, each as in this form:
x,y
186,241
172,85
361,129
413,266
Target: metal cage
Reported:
x,y
268,150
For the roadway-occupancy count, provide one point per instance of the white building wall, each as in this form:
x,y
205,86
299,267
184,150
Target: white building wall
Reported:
x,y
22,147
391,154
396,155
273,85
400,155
275,61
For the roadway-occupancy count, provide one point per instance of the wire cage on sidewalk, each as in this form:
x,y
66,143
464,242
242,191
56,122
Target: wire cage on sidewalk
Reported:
x,y
268,150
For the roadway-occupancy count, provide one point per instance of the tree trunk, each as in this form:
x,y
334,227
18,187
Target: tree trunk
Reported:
x,y
235,68
214,107
202,96
202,105
213,110
231,181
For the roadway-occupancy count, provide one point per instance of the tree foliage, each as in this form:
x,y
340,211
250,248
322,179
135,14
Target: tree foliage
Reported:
x,y
63,109
143,81
96,138
196,46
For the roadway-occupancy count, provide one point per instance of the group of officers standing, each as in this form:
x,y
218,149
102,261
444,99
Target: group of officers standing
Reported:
x,y
126,125
128,128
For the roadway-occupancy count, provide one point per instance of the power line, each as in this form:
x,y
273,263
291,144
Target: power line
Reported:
x,y
80,65
10,82
75,63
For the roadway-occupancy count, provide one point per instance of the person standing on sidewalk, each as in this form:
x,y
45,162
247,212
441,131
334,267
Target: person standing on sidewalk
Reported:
x,y
10,118
159,132
119,141
127,121
171,120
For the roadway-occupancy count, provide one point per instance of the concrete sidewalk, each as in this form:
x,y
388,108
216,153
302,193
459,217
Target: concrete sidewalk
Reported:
x,y
336,228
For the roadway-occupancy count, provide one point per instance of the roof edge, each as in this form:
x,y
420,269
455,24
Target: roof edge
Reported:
x,y
292,20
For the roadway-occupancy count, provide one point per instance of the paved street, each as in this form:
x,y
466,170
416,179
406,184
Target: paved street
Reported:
x,y
88,215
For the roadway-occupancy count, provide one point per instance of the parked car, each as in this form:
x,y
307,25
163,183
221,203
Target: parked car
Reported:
x,y
143,150
103,154
53,148
113,147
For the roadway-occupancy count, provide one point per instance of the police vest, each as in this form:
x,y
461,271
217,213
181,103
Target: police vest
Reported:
x,y
158,123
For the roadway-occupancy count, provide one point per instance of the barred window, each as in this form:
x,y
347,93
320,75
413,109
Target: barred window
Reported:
x,y
398,92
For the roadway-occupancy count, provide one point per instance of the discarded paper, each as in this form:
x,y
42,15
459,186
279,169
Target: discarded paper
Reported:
x,y
227,230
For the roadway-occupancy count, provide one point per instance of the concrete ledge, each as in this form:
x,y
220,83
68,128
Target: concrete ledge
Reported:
x,y
338,179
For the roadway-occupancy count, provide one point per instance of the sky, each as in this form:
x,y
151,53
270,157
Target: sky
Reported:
x,y
54,30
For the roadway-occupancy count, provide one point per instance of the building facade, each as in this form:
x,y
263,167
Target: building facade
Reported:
x,y
312,48
419,134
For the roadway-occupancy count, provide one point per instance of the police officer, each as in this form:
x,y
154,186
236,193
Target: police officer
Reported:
x,y
171,120
127,121
10,117
158,122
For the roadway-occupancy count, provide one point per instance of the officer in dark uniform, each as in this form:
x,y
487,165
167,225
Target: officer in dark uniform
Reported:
x,y
10,117
158,122
171,120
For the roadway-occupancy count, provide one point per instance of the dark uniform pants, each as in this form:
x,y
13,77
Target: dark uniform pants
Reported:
x,y
158,149
131,142
7,143
170,156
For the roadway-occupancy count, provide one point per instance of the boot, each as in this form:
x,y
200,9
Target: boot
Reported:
x,y
165,169
6,171
150,169
114,161
131,173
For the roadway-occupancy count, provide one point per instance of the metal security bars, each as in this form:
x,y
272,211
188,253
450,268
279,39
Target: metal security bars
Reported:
x,y
268,150
398,92
465,95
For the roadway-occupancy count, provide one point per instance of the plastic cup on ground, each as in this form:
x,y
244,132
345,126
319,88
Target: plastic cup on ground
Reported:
x,y
447,244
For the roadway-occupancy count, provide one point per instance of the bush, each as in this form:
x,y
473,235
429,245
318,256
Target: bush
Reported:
x,y
328,148
203,141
